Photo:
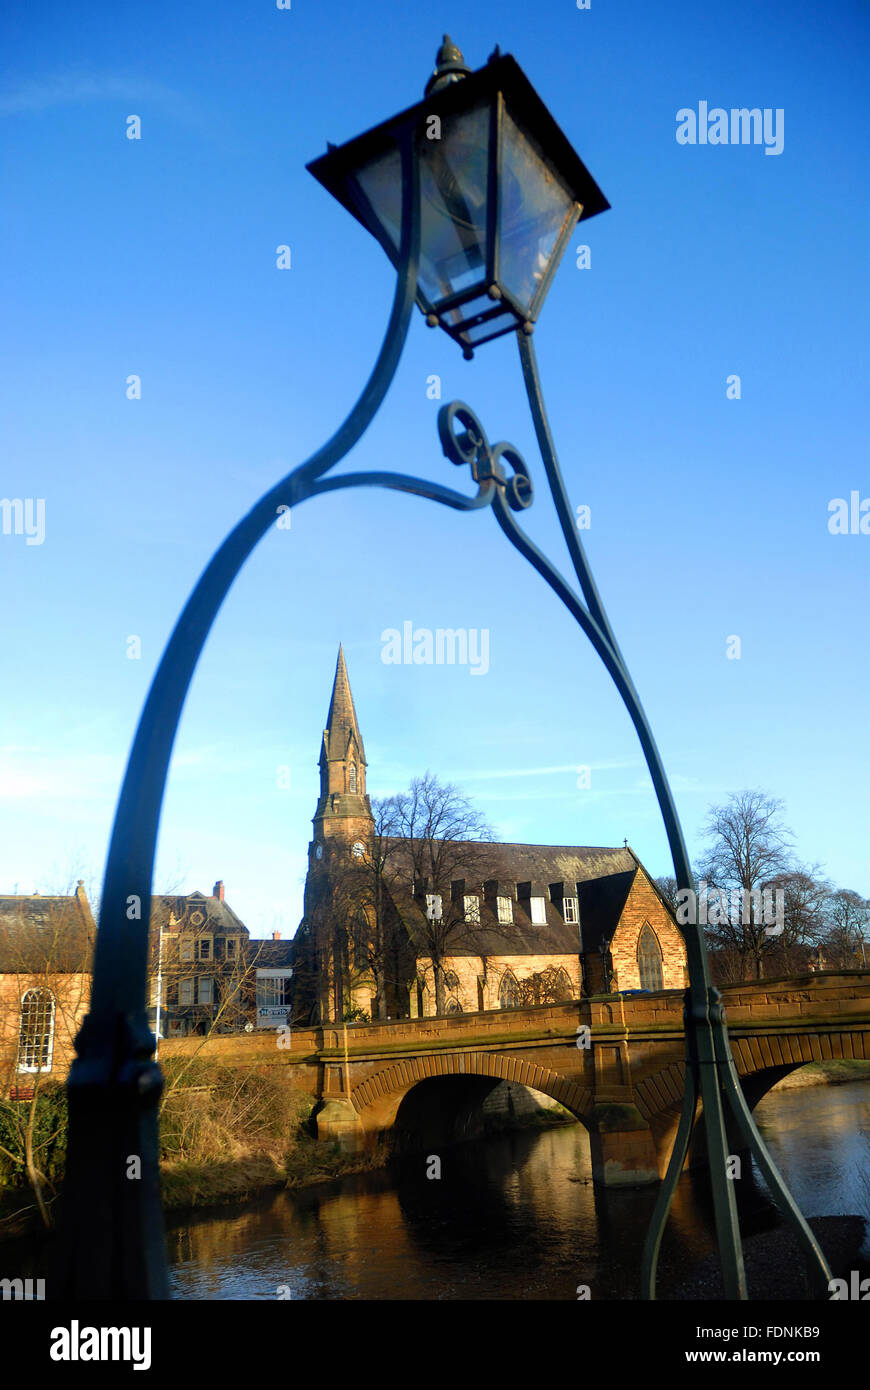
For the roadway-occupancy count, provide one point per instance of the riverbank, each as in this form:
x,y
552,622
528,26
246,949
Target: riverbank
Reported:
x,y
776,1264
189,1184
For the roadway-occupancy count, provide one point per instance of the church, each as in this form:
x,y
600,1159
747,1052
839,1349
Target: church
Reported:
x,y
419,926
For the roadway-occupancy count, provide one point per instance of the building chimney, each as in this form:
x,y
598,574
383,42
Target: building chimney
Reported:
x,y
218,890
276,936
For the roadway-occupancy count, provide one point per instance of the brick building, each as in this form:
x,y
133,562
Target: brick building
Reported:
x,y
502,924
46,945
207,971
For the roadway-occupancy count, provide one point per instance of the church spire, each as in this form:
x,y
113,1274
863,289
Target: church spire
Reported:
x,y
343,808
341,721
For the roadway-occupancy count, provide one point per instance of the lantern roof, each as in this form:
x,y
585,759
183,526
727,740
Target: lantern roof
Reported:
x,y
501,74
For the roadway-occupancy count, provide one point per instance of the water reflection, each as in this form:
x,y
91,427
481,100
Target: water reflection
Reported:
x,y
511,1217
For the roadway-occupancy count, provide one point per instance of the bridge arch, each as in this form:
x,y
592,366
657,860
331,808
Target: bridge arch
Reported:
x,y
761,1060
399,1078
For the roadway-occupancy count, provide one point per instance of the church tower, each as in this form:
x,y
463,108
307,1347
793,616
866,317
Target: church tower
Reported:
x,y
340,848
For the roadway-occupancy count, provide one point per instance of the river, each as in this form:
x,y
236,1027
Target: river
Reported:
x,y
511,1217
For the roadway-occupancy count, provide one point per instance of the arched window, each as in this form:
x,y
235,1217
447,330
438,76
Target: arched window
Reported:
x,y
562,988
454,1006
649,959
36,1034
351,778
508,991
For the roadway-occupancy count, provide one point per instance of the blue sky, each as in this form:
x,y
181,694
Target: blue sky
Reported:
x,y
157,257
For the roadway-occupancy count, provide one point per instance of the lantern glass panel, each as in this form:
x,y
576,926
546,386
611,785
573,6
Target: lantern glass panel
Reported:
x,y
535,207
453,200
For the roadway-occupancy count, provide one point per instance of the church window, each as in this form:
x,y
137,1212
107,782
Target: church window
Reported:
x,y
351,778
36,1033
649,959
505,910
538,912
562,989
569,910
454,1006
509,991
471,903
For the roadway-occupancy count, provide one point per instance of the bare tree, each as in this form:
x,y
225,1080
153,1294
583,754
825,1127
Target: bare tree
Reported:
x,y
846,928
547,986
441,836
750,849
667,886
804,896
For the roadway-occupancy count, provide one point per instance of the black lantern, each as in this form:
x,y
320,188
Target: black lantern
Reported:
x,y
501,190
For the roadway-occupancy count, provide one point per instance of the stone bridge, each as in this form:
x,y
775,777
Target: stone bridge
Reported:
x,y
418,1081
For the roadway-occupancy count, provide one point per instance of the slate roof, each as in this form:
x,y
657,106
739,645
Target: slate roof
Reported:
x,y
600,876
219,915
50,934
271,955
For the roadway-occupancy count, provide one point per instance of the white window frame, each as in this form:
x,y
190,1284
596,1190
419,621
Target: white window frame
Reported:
x,y
273,988
35,1043
231,948
208,943
205,989
505,910
185,949
471,908
538,912
186,992
570,910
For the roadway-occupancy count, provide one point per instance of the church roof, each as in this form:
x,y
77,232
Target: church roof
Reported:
x,y
341,720
599,876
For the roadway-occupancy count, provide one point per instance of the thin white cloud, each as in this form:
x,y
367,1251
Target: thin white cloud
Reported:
x,y
40,94
495,774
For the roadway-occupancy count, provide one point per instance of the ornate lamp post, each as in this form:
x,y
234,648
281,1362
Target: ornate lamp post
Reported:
x,y
473,194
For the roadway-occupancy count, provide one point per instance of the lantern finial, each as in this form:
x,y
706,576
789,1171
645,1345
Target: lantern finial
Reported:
x,y
450,66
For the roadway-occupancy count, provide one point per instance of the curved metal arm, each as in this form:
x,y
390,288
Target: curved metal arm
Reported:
x,y
419,487
710,1072
111,1244
708,1049
120,959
